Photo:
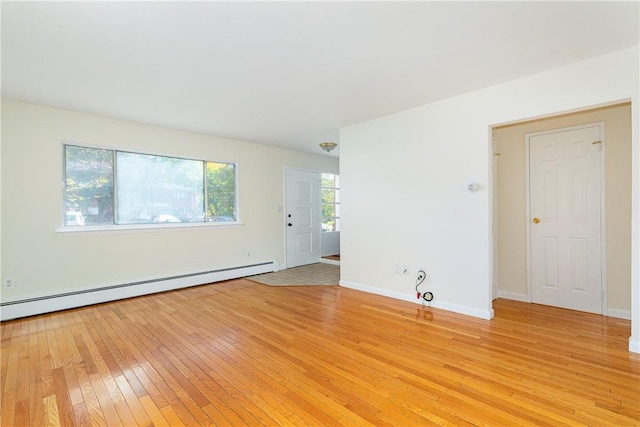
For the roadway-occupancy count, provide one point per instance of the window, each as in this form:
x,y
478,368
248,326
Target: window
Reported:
x,y
330,188
157,189
88,186
111,187
221,191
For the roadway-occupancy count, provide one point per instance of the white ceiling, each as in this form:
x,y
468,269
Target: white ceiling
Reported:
x,y
288,74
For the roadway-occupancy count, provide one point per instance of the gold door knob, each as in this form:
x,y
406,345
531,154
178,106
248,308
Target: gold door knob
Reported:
x,y
536,220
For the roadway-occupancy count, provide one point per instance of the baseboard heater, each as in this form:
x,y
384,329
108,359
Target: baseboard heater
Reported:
x,y
62,301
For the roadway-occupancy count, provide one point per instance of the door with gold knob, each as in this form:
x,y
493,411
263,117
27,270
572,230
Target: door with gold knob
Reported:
x,y
564,199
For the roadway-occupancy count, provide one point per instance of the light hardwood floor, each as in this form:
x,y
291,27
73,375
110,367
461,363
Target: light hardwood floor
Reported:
x,y
241,353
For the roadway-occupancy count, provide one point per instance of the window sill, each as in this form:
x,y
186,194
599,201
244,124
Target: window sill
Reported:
x,y
82,229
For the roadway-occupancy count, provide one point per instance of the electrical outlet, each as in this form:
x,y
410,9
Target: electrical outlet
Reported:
x,y
398,269
421,275
9,283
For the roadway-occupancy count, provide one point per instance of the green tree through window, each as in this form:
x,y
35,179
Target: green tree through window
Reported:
x,y
221,191
88,185
330,190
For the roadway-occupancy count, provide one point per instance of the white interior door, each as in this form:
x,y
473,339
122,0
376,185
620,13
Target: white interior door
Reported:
x,y
565,218
302,189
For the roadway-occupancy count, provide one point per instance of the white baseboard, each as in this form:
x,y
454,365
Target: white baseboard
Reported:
x,y
83,297
483,314
513,296
611,312
329,261
619,314
634,346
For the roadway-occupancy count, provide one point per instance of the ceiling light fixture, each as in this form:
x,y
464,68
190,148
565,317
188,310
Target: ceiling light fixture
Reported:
x,y
328,146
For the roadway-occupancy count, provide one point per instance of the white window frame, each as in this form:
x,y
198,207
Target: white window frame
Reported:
x,y
323,219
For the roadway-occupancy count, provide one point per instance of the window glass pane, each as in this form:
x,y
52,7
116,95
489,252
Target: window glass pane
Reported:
x,y
328,180
329,195
221,192
88,195
157,189
331,224
328,210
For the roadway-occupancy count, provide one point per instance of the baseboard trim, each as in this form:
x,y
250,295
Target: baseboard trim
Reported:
x,y
82,297
611,312
513,296
634,346
619,314
411,298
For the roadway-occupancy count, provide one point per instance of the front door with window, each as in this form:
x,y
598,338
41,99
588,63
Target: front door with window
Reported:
x,y
565,218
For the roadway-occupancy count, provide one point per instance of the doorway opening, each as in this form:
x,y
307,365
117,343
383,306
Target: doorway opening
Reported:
x,y
312,219
513,217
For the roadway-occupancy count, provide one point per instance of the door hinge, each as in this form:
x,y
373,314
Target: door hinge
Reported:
x,y
601,295
599,144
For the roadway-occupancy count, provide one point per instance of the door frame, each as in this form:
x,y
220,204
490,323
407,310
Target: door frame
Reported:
x,y
603,218
495,286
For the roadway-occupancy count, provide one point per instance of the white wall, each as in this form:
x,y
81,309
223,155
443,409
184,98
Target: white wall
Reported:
x,y
329,243
405,177
46,262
